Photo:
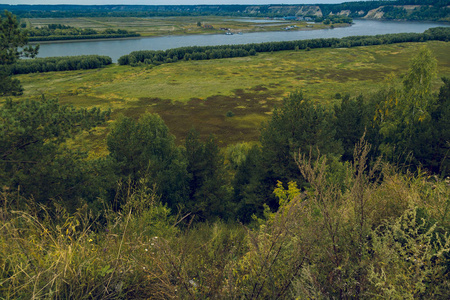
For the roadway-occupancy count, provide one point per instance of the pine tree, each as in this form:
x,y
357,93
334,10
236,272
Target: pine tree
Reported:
x,y
12,38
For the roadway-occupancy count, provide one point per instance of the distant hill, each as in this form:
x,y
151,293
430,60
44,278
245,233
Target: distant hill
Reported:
x,y
430,10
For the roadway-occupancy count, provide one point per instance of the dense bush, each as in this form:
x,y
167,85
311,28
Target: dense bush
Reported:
x,y
64,63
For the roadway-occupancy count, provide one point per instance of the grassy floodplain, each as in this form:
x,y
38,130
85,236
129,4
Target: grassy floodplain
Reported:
x,y
161,26
201,94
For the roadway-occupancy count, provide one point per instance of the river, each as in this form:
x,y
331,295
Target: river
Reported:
x,y
117,48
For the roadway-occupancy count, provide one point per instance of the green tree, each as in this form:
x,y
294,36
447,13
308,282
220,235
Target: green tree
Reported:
x,y
297,127
146,149
439,161
12,38
404,113
252,186
33,157
417,86
351,122
208,194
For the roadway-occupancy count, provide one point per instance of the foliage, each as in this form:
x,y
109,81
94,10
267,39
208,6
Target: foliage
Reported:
x,y
298,125
351,122
440,117
208,193
408,118
54,32
49,253
320,242
33,158
146,149
250,188
12,39
410,258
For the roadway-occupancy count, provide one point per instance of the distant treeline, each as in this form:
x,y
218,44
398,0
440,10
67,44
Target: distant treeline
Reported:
x,y
431,10
53,32
64,63
81,37
226,51
428,10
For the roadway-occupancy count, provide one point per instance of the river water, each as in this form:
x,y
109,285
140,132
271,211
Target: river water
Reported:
x,y
117,48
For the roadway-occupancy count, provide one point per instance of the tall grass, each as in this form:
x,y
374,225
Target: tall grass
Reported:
x,y
363,232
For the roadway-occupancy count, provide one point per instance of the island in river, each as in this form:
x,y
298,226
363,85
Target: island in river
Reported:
x,y
163,26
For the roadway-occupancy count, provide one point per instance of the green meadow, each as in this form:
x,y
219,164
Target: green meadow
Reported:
x,y
229,98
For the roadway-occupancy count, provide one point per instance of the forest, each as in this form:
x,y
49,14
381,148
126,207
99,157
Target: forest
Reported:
x,y
431,10
343,201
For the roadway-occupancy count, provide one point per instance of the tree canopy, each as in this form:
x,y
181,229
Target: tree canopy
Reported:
x,y
32,153
12,38
146,149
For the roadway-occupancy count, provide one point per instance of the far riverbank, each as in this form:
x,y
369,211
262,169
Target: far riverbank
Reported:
x,y
117,48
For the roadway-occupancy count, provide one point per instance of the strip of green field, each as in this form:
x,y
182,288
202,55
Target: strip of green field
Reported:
x,y
161,26
204,94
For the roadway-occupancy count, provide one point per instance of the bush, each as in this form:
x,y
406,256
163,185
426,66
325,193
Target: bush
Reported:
x,y
230,114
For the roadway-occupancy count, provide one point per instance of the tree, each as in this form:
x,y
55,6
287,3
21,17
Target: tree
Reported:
x,y
404,112
11,39
299,125
413,122
208,196
33,158
439,161
146,149
351,122
251,186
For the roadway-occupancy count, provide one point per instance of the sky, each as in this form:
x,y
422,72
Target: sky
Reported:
x,y
170,2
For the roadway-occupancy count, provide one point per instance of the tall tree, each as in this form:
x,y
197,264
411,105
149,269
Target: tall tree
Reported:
x,y
299,125
351,121
404,113
208,194
12,38
32,156
440,118
146,149
252,187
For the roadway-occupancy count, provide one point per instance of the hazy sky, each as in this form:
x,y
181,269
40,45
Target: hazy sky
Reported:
x,y
170,2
